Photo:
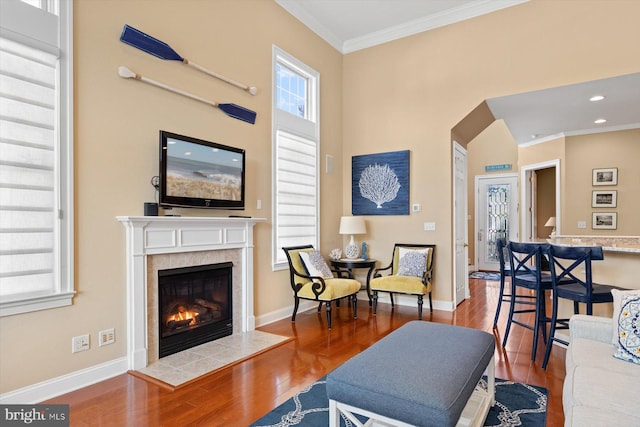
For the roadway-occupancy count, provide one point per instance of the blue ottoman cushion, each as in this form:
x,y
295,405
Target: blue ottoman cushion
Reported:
x,y
422,374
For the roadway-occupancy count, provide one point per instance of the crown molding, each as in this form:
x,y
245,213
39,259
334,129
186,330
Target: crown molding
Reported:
x,y
295,8
451,16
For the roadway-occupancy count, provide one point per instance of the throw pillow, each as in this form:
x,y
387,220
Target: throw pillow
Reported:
x,y
628,328
315,264
412,262
617,304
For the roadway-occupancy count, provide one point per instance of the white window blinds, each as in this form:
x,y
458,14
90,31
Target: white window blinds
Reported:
x,y
296,197
27,174
36,175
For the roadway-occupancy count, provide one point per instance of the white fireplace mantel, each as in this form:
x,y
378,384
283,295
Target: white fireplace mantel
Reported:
x,y
154,235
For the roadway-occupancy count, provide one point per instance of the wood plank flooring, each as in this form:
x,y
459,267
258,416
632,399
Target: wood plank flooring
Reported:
x,y
241,394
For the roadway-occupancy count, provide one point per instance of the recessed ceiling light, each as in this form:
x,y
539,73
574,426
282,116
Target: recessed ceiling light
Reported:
x,y
596,98
534,135
600,121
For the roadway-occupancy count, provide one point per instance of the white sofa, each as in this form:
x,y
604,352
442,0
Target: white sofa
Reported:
x,y
599,390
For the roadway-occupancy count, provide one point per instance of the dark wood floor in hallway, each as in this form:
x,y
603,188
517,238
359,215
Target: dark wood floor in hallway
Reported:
x,y
239,395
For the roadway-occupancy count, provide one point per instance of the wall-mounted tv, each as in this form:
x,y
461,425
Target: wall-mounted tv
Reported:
x,y
200,174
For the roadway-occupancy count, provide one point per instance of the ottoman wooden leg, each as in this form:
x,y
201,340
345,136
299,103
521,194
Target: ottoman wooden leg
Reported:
x,y
334,414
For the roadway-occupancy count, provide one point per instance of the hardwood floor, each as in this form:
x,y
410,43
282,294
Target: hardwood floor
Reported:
x,y
241,394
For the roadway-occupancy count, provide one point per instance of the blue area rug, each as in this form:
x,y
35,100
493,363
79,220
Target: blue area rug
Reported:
x,y
516,405
486,275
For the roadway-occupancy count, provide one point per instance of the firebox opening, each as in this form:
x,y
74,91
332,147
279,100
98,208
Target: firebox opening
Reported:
x,y
195,306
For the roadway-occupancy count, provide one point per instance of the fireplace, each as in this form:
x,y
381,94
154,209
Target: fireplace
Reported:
x,y
194,306
160,243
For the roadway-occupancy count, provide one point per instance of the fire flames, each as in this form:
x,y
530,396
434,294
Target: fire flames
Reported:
x,y
182,315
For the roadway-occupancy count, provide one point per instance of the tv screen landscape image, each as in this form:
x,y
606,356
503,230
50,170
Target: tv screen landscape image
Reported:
x,y
199,173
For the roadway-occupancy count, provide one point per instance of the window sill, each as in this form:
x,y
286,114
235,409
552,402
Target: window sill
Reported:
x,y
31,303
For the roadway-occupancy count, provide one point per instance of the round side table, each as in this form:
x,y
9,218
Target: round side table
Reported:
x,y
350,264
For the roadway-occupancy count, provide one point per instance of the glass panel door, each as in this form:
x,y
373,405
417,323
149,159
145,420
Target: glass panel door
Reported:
x,y
497,217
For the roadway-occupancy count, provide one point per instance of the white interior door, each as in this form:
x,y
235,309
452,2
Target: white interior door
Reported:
x,y
461,247
496,216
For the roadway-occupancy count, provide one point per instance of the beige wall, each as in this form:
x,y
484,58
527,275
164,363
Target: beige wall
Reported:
x,y
406,94
603,150
410,93
116,154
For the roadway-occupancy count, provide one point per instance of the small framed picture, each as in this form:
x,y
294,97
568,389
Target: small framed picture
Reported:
x,y
608,176
604,221
604,199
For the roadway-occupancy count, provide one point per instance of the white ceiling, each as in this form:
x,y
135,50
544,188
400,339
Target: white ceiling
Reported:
x,y
351,25
549,113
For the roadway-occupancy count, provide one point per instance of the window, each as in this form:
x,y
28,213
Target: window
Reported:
x,y
296,149
36,223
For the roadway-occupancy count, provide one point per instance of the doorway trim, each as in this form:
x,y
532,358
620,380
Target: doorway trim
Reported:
x,y
527,193
460,229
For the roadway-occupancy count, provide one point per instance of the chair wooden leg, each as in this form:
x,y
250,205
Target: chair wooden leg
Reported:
x,y
576,307
540,322
552,331
391,296
328,304
319,306
296,304
510,318
430,303
543,315
420,302
355,306
374,297
500,298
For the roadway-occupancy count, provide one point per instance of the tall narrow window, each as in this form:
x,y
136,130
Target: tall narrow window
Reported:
x,y
35,156
296,149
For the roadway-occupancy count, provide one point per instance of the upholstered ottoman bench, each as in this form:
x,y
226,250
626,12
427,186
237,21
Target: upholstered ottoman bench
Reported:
x,y
422,374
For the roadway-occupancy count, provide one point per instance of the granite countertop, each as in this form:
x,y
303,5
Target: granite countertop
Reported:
x,y
629,244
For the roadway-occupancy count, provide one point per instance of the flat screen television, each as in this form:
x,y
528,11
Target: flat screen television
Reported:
x,y
200,174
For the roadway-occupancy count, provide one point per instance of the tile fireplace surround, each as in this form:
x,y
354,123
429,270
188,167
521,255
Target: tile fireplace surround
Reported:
x,y
160,242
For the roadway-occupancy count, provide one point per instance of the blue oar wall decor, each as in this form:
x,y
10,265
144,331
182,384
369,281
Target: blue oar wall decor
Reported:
x,y
162,50
231,110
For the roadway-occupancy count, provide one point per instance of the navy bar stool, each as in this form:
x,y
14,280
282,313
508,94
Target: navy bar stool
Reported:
x,y
526,272
565,263
505,271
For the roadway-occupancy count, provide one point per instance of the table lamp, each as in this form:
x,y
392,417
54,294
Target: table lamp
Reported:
x,y
551,222
352,225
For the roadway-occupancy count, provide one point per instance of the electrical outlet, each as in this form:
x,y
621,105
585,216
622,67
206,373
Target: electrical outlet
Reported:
x,y
582,224
108,336
429,226
79,343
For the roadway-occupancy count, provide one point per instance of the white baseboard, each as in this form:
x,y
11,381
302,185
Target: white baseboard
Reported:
x,y
411,301
49,389
284,313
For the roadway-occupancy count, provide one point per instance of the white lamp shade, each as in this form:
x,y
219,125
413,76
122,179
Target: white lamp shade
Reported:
x,y
551,222
352,225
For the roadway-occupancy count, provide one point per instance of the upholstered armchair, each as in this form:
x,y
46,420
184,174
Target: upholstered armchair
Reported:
x,y
410,272
312,279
